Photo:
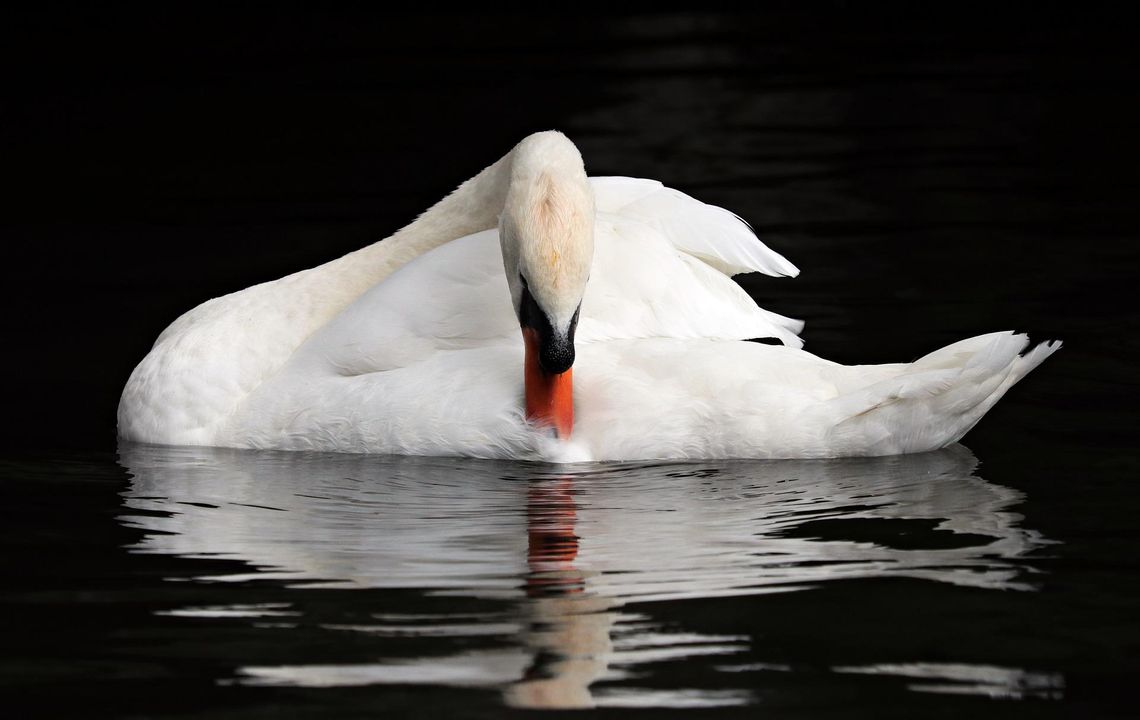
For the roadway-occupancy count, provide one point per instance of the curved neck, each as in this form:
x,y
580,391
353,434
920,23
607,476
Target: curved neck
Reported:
x,y
473,206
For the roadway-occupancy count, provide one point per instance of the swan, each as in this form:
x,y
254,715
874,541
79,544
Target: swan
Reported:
x,y
633,342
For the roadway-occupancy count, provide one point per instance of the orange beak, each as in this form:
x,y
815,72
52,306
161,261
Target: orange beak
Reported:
x,y
549,396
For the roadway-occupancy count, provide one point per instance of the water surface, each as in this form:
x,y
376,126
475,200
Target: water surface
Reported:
x,y
540,582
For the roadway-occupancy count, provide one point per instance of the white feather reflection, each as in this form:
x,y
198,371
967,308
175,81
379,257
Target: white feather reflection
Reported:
x,y
572,545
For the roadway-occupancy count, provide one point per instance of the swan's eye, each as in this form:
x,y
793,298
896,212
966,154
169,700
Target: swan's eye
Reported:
x,y
525,285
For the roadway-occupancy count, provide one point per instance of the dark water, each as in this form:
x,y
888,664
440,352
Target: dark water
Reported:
x,y
934,176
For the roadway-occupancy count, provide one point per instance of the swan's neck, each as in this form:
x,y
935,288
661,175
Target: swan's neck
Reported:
x,y
473,206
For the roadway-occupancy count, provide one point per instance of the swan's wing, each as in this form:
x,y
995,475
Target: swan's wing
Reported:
x,y
455,297
709,233
642,287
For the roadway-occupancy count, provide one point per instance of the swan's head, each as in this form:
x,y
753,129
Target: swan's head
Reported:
x,y
547,236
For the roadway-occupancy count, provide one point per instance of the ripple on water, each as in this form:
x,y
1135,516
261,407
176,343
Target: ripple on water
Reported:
x,y
567,551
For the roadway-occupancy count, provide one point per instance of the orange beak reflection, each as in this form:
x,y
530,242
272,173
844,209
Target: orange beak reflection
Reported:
x,y
549,396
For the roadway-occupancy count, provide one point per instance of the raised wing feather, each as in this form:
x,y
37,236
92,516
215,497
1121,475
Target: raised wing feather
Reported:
x,y
709,233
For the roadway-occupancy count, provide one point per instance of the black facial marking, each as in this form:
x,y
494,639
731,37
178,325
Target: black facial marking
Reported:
x,y
555,349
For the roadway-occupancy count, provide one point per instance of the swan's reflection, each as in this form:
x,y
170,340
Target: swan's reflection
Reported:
x,y
571,545
566,625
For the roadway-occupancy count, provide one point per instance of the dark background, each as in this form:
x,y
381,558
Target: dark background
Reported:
x,y
935,172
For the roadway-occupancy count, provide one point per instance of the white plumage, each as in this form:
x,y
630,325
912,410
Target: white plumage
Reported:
x,y
412,346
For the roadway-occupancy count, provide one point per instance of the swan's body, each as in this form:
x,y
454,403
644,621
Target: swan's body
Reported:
x,y
410,345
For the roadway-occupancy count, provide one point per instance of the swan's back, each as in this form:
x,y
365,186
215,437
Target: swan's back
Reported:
x,y
211,357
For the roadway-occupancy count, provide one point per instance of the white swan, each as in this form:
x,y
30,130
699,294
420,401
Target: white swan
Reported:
x,y
410,345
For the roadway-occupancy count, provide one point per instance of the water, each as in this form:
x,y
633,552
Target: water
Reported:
x,y
549,575
242,582
934,179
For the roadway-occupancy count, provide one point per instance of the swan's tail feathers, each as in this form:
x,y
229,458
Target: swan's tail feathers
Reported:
x,y
934,401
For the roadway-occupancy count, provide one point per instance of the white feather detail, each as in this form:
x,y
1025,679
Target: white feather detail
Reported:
x,y
712,234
